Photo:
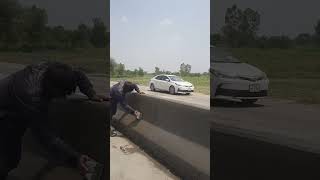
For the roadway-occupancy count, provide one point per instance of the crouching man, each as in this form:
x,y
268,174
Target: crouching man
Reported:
x,y
118,96
24,99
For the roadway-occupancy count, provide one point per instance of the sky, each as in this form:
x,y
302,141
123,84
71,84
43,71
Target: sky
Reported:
x,y
71,13
278,17
164,34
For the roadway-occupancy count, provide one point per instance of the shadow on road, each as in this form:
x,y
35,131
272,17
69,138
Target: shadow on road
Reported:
x,y
232,104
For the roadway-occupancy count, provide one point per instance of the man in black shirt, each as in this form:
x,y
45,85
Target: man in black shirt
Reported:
x,y
24,99
118,95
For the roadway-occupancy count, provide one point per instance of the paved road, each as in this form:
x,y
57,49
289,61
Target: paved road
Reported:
x,y
194,99
282,121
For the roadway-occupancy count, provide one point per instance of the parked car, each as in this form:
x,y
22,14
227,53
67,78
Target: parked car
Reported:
x,y
234,80
170,83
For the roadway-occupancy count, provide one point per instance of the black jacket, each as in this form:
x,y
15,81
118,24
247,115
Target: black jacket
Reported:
x,y
22,106
119,91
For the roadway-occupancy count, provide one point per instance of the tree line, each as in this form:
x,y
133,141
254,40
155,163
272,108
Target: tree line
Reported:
x,y
241,27
26,29
119,70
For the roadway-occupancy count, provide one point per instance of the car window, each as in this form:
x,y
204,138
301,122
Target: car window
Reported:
x,y
175,78
165,78
159,77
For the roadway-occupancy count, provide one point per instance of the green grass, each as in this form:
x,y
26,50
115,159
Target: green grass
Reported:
x,y
90,60
283,63
294,73
202,83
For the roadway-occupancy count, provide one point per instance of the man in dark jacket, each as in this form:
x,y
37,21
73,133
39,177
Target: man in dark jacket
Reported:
x,y
118,95
24,99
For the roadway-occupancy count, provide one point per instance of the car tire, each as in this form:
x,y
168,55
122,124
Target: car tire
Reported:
x,y
249,101
152,88
187,93
172,90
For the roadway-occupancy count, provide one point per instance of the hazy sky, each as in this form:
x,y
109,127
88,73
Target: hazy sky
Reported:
x,y
70,13
289,17
162,33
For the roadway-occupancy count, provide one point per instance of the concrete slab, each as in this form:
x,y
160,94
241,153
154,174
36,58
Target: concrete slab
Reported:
x,y
128,162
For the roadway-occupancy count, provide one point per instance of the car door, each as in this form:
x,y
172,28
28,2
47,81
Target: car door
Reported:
x,y
166,83
157,82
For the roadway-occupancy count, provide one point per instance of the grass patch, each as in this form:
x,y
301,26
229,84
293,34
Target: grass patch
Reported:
x,y
90,60
201,83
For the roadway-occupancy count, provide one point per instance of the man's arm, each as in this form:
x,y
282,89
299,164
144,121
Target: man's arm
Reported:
x,y
86,87
126,107
84,84
137,88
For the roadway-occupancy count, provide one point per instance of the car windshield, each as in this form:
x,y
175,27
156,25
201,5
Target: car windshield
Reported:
x,y
222,55
175,78
227,59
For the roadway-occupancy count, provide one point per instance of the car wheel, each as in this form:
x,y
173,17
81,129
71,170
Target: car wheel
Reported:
x,y
249,101
152,88
172,90
187,93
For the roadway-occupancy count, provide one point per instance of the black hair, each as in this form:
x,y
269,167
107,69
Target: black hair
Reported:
x,y
60,77
128,87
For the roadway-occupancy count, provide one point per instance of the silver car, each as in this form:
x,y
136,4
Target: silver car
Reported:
x,y
234,80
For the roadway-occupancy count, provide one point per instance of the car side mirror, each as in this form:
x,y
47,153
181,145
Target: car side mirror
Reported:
x,y
168,80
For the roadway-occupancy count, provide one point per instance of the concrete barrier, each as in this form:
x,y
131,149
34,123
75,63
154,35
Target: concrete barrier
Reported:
x,y
82,124
175,134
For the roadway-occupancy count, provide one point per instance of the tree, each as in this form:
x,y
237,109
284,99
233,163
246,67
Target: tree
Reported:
x,y
140,72
113,66
10,11
99,35
215,39
157,71
34,25
121,69
240,27
317,32
82,36
185,69
303,39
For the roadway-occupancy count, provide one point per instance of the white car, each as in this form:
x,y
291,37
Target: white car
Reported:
x,y
171,83
236,81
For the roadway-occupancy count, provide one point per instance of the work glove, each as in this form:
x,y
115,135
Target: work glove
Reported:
x,y
138,114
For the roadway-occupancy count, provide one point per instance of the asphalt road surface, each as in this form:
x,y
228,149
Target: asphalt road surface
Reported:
x,y
278,121
194,99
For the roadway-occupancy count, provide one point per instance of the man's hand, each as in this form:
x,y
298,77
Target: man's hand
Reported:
x,y
84,169
142,93
100,98
138,114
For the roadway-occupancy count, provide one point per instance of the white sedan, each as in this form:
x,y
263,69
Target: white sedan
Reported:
x,y
170,83
236,81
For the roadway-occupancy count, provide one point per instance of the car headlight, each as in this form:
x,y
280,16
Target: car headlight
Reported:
x,y
220,75
264,76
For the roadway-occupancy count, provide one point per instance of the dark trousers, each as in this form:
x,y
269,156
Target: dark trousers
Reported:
x,y
114,106
10,145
